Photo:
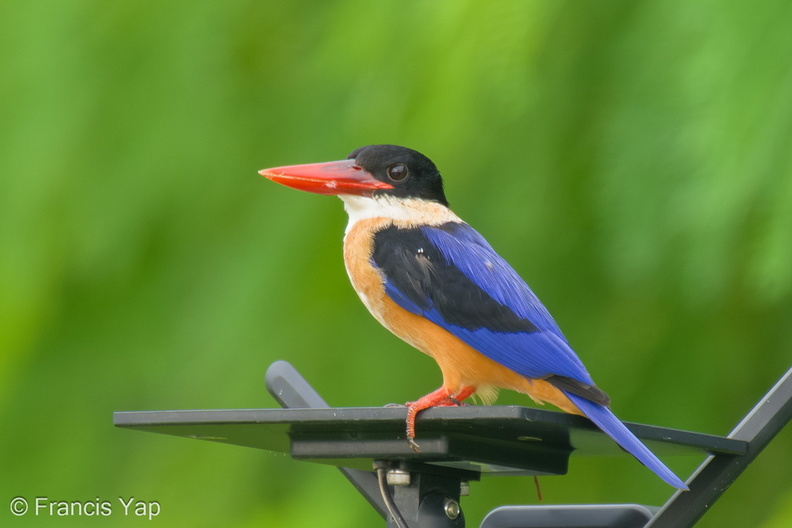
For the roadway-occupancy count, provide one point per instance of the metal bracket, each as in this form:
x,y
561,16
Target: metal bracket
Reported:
x,y
460,444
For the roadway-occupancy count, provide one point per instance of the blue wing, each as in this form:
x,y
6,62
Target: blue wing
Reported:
x,y
452,276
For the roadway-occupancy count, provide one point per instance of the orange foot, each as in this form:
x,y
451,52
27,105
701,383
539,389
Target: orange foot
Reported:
x,y
442,397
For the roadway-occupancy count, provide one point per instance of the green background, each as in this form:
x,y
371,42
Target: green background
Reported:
x,y
632,160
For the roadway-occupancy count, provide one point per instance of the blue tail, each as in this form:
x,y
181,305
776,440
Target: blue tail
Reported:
x,y
613,427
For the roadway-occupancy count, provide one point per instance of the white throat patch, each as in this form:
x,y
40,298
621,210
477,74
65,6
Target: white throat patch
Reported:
x,y
409,210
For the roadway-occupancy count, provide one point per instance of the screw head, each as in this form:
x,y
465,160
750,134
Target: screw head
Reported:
x,y
452,509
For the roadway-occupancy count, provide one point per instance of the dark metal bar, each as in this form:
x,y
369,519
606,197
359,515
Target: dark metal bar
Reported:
x,y
291,390
569,516
718,472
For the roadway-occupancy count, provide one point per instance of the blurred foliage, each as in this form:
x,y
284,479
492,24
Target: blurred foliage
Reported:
x,y
632,160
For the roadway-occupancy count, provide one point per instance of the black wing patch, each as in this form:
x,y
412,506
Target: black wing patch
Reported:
x,y
418,270
573,386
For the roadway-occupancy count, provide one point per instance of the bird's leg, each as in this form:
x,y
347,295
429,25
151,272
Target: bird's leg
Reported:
x,y
463,394
413,408
442,397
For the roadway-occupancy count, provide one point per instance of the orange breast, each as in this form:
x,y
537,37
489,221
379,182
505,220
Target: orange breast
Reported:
x,y
462,365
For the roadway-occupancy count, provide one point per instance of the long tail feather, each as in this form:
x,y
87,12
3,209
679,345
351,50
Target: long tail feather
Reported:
x,y
613,427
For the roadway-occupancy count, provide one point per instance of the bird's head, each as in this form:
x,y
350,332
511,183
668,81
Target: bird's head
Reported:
x,y
375,170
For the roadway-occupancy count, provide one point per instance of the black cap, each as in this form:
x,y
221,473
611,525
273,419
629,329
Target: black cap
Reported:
x,y
412,174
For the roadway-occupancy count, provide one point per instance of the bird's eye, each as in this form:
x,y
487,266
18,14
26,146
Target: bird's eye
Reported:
x,y
397,172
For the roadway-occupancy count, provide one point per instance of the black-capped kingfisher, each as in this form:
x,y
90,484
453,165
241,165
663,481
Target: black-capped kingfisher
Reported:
x,y
436,283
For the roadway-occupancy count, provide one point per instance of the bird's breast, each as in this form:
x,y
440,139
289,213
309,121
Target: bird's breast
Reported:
x,y
369,283
366,279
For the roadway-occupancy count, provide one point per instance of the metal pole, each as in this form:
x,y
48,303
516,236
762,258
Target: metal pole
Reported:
x,y
291,390
717,473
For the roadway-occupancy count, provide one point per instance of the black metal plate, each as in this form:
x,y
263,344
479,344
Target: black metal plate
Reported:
x,y
499,439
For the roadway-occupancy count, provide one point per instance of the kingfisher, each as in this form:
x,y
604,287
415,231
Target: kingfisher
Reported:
x,y
437,284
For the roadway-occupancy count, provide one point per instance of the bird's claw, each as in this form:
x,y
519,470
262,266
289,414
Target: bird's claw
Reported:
x,y
414,446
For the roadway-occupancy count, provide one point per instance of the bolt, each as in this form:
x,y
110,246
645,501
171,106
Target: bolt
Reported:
x,y
464,488
398,477
452,509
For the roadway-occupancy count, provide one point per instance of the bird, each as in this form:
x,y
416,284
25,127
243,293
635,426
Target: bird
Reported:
x,y
436,283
